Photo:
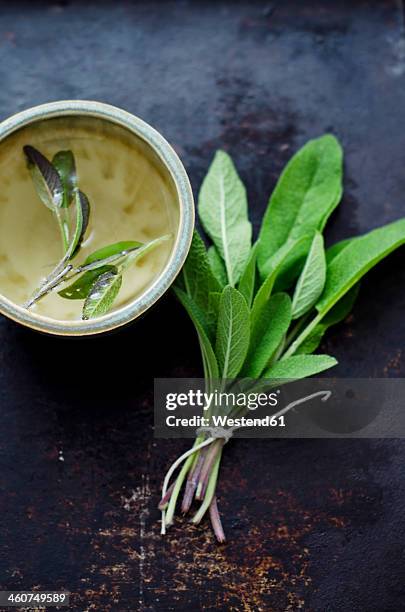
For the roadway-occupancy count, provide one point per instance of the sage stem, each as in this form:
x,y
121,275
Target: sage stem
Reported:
x,y
173,467
210,490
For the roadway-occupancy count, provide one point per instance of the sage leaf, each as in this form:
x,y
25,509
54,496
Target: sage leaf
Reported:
x,y
312,342
356,259
266,288
342,308
338,313
307,192
312,279
123,258
217,266
117,248
299,366
61,270
134,255
214,299
267,334
49,283
336,248
80,289
349,266
64,162
247,281
102,295
82,207
197,275
118,258
222,208
45,177
211,371
233,332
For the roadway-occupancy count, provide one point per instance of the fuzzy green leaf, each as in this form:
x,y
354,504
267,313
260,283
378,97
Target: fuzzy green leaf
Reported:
x,y
247,282
267,334
336,248
214,299
102,295
342,308
313,340
197,276
233,332
300,366
222,207
312,279
356,259
217,266
338,313
307,192
277,261
197,316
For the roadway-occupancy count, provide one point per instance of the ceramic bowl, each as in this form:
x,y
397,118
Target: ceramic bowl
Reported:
x,y
171,164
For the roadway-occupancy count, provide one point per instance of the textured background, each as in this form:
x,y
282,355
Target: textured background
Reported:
x,y
322,528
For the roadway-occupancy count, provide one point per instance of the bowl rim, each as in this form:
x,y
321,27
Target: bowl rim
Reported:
x,y
174,166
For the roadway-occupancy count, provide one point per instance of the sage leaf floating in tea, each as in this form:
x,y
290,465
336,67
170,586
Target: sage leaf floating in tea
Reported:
x,y
98,280
117,248
46,178
82,206
102,294
80,289
64,163
49,187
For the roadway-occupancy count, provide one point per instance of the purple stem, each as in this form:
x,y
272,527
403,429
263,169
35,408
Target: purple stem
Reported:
x,y
216,521
206,468
165,500
192,482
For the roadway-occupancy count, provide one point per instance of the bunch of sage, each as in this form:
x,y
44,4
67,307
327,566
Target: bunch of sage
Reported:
x,y
260,311
99,278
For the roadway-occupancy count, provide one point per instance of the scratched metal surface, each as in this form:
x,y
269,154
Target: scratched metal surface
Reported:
x,y
312,525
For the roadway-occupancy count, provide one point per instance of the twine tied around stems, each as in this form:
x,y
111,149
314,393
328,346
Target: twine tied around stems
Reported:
x,y
226,433
216,432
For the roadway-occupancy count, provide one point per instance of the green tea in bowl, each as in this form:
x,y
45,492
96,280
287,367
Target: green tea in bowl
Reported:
x,y
89,216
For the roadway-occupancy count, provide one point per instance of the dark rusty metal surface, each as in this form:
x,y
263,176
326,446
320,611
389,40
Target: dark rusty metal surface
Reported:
x,y
322,528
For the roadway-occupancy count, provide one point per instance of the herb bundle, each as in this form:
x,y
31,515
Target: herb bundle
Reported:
x,y
99,278
260,311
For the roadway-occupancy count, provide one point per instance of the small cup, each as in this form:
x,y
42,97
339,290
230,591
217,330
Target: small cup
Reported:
x,y
169,163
